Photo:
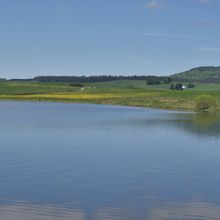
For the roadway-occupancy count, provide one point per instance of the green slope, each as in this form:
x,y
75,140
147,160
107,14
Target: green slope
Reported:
x,y
199,74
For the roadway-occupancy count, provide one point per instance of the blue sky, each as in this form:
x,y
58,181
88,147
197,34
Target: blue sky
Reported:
x,y
84,37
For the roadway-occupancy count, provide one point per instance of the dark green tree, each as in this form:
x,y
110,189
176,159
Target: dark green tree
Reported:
x,y
190,85
153,81
167,80
179,86
172,86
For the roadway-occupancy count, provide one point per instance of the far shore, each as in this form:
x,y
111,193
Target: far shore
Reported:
x,y
123,93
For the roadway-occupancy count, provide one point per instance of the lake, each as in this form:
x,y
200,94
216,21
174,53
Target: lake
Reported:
x,y
95,162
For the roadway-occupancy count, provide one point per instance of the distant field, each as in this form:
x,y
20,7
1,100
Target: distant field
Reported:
x,y
119,92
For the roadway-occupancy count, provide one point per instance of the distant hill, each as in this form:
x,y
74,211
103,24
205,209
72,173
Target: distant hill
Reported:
x,y
209,74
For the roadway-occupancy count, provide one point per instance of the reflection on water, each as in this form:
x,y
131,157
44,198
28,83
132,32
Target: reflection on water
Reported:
x,y
191,210
204,124
201,124
23,210
92,162
207,119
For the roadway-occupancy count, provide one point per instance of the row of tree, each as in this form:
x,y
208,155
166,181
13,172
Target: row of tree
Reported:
x,y
85,79
179,86
157,80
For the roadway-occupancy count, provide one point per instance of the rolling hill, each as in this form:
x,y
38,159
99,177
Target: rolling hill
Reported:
x,y
209,74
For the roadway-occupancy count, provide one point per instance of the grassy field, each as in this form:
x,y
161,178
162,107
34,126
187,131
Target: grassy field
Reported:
x,y
120,92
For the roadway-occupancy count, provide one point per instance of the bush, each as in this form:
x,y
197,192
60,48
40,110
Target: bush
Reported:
x,y
172,86
190,85
167,80
205,102
153,81
77,85
179,86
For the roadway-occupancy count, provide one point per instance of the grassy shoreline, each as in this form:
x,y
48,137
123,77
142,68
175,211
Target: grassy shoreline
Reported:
x,y
124,93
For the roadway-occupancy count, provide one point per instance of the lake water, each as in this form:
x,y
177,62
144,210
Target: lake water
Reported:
x,y
93,162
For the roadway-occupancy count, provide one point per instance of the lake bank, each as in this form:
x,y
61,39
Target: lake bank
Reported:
x,y
141,101
141,95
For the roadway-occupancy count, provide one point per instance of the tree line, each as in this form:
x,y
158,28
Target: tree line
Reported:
x,y
87,79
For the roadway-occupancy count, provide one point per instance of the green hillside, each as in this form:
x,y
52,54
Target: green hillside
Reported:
x,y
209,74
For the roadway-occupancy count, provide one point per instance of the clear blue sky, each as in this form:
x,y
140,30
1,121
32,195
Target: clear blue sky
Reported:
x,y
76,37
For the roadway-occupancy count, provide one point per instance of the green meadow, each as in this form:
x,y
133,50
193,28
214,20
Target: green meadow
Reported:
x,y
118,92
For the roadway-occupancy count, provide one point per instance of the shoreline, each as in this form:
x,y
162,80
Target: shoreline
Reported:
x,y
97,103
144,96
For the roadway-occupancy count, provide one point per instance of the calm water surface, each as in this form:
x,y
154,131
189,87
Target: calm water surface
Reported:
x,y
91,162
